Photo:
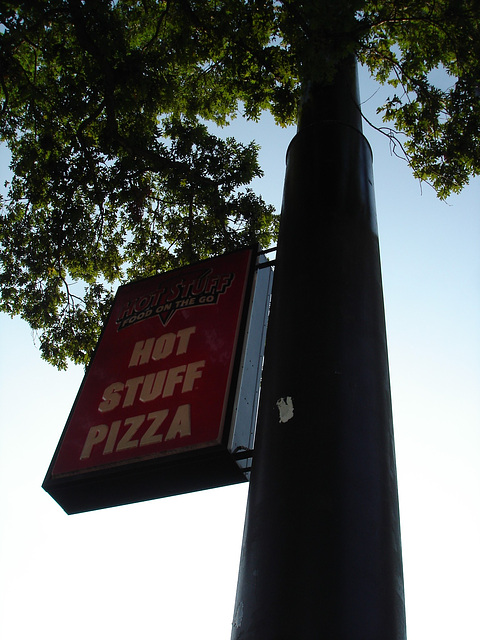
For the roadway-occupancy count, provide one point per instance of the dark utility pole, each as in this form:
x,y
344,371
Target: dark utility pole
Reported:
x,y
321,557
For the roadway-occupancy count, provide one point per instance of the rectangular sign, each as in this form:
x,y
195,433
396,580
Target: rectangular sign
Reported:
x,y
158,395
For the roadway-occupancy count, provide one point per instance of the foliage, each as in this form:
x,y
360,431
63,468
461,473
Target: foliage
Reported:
x,y
117,173
114,175
411,46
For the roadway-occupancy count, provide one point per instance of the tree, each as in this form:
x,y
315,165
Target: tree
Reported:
x,y
106,108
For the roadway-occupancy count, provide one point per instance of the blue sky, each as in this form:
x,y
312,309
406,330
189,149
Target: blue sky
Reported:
x,y
168,568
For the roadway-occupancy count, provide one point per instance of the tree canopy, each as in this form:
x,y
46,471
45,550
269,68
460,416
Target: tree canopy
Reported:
x,y
108,108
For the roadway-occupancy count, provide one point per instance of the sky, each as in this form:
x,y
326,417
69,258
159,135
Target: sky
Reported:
x,y
168,568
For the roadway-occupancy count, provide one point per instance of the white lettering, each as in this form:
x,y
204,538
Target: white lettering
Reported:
x,y
180,424
180,427
112,437
151,435
174,377
153,386
184,336
126,442
161,347
111,397
164,346
147,388
141,352
193,373
132,387
94,436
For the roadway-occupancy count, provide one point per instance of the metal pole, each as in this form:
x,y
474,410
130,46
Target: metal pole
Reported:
x,y
321,556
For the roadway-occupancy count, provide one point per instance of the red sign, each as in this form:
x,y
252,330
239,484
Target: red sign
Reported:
x,y
161,378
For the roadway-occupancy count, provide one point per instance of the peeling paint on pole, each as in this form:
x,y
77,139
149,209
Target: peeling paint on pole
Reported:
x,y
285,409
